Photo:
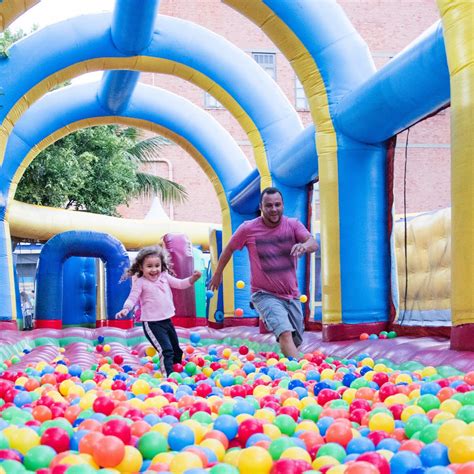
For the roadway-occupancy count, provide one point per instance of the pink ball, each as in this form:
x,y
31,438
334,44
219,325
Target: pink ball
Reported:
x,y
57,438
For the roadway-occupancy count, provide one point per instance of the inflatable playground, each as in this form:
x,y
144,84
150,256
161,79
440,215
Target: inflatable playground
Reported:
x,y
385,382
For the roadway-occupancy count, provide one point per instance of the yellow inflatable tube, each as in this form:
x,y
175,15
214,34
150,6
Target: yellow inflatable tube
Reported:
x,y
41,223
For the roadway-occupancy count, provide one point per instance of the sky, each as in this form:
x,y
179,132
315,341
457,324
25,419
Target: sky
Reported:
x,y
52,11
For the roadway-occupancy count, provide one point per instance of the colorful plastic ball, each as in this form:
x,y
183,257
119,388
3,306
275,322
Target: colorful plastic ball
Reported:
x,y
239,312
392,335
364,336
462,450
151,444
118,359
106,348
132,460
361,467
247,428
404,461
57,438
240,284
184,462
39,457
150,351
373,336
228,425
209,294
195,337
303,299
376,460
118,428
180,436
255,460
434,454
109,452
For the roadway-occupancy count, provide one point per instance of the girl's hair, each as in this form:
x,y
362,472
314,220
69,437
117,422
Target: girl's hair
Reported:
x,y
145,252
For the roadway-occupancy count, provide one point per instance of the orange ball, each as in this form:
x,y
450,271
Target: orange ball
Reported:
x,y
412,445
31,384
89,440
72,412
363,336
90,425
361,467
109,452
339,433
445,393
469,378
189,349
42,413
139,428
239,312
48,379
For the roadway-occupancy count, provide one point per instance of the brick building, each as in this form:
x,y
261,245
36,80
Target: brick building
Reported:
x,y
387,26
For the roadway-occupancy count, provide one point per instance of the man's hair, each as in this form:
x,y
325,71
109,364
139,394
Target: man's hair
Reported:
x,y
270,190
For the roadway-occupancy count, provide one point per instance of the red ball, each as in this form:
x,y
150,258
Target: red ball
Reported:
x,y
57,438
397,410
291,411
247,428
178,368
290,466
243,350
119,385
376,460
380,378
327,395
99,347
238,391
203,390
387,390
10,454
118,359
357,415
103,405
60,469
359,403
117,428
376,437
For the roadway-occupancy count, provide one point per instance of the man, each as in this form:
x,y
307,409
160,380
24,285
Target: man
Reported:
x,y
274,243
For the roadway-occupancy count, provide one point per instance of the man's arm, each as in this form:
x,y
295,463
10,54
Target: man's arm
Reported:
x,y
308,246
216,279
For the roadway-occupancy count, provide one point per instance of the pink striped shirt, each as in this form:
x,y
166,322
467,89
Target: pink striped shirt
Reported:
x,y
155,297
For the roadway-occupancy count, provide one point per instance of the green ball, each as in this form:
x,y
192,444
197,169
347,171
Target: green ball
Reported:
x,y
81,469
466,413
279,445
311,412
459,397
429,434
190,368
4,444
176,376
226,408
184,416
151,444
239,380
60,423
87,375
332,449
223,468
286,424
468,398
428,402
13,467
293,365
337,404
39,457
416,423
202,417
359,383
392,334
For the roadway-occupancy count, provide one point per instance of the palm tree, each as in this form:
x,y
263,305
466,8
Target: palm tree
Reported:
x,y
146,150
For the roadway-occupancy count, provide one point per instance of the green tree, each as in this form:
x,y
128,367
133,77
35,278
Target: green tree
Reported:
x,y
96,169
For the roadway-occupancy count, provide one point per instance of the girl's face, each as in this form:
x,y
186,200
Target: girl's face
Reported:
x,y
151,267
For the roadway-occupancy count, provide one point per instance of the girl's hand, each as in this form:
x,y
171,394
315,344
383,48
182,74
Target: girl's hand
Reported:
x,y
195,277
121,314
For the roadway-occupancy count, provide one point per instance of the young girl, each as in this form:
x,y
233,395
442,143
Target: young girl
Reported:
x,y
151,286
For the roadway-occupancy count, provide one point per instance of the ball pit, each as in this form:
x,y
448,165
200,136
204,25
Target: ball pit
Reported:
x,y
230,406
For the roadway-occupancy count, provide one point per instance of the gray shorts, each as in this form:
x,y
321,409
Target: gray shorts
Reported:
x,y
280,315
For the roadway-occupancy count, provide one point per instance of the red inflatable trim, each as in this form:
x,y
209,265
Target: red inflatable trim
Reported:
x,y
341,332
186,322
230,322
120,323
462,337
48,324
8,325
422,331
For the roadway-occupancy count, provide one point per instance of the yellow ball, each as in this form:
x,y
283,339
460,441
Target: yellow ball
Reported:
x,y
451,406
272,431
339,469
184,461
307,425
382,422
263,414
442,417
165,458
226,353
106,348
215,446
450,430
132,460
303,298
232,457
89,460
327,374
240,284
410,411
150,351
24,439
255,460
296,453
462,450
140,387
403,378
21,381
324,461
428,371
197,429
349,395
386,454
369,362
61,369
261,390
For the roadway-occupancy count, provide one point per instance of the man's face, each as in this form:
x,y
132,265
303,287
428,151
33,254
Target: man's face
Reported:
x,y
272,209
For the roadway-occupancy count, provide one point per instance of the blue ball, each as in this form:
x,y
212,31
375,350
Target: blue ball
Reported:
x,y
194,337
228,425
76,438
210,455
227,380
249,368
255,438
360,445
434,454
313,375
242,406
348,379
295,383
22,398
430,388
438,470
100,339
324,423
389,444
75,370
209,294
179,437
403,462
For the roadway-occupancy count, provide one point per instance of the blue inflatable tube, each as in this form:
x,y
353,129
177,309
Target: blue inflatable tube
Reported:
x,y
49,286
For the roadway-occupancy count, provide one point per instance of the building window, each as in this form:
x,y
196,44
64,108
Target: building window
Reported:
x,y
267,61
301,101
210,102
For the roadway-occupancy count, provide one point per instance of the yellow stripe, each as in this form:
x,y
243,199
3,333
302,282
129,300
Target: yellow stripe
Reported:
x,y
146,64
10,10
11,277
326,144
457,17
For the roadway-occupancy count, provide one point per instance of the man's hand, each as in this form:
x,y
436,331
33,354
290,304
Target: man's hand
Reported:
x,y
297,250
215,282
121,314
